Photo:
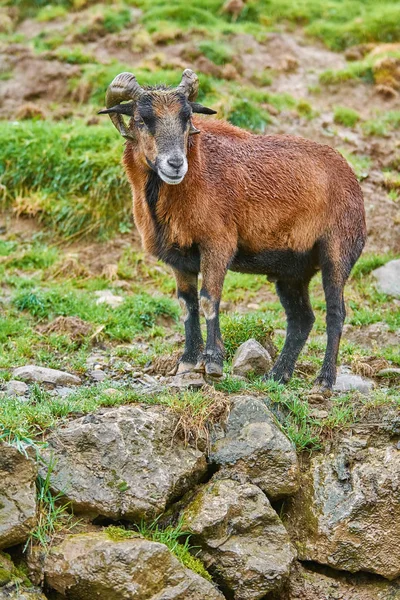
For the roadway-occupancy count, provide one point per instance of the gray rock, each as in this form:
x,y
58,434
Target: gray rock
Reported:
x,y
388,278
254,447
98,375
346,513
187,381
347,382
16,388
17,496
92,565
251,357
389,373
123,462
307,584
45,375
64,392
241,538
107,297
18,592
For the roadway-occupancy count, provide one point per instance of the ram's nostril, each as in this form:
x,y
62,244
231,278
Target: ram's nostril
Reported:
x,y
176,162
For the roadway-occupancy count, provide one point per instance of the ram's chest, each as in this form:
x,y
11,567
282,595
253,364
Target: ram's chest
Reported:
x,y
164,227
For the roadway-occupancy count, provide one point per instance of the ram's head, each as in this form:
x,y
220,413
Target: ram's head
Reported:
x,y
161,120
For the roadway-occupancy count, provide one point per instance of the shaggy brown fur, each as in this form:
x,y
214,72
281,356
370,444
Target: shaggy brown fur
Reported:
x,y
279,205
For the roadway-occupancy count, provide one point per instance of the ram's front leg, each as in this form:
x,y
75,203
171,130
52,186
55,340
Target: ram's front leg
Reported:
x,y
186,284
213,269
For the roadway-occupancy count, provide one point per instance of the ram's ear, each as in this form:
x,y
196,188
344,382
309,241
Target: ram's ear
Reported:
x,y
199,108
120,109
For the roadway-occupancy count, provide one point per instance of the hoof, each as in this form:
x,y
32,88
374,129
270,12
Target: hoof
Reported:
x,y
214,370
184,367
200,366
319,392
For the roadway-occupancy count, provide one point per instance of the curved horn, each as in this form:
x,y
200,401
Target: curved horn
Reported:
x,y
123,87
189,84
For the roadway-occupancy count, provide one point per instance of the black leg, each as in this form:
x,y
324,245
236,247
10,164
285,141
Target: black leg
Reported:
x,y
300,319
214,264
213,356
335,315
188,299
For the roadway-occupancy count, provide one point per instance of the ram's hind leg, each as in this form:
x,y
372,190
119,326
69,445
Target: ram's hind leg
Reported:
x,y
336,260
300,319
186,284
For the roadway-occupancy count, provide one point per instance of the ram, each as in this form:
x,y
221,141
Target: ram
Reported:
x,y
276,205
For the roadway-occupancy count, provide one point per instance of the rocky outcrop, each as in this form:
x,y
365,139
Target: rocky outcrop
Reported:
x,y
253,447
16,592
347,511
123,462
308,584
388,278
45,375
17,496
241,538
251,357
93,565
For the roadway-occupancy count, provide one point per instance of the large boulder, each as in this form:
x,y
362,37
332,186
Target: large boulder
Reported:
x,y
388,278
347,511
92,565
253,446
17,496
241,538
123,462
308,584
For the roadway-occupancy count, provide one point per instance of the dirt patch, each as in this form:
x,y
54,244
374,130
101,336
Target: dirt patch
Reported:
x,y
33,79
77,329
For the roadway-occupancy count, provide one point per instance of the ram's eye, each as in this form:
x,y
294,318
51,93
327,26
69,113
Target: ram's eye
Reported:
x,y
139,122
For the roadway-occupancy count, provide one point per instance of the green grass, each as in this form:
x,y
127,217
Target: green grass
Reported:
x,y
174,537
236,329
49,12
383,123
361,164
359,70
218,52
52,515
69,177
346,116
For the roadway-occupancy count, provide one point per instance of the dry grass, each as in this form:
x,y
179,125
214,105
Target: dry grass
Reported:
x,y
198,413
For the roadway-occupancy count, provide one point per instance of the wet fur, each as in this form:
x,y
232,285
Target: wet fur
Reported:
x,y
282,206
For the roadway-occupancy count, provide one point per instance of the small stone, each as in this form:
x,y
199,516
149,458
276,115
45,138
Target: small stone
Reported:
x,y
390,373
253,306
388,278
45,375
187,380
347,382
316,413
251,357
110,392
107,297
64,392
97,375
16,388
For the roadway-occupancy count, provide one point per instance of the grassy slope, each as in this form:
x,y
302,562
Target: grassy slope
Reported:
x,y
68,175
